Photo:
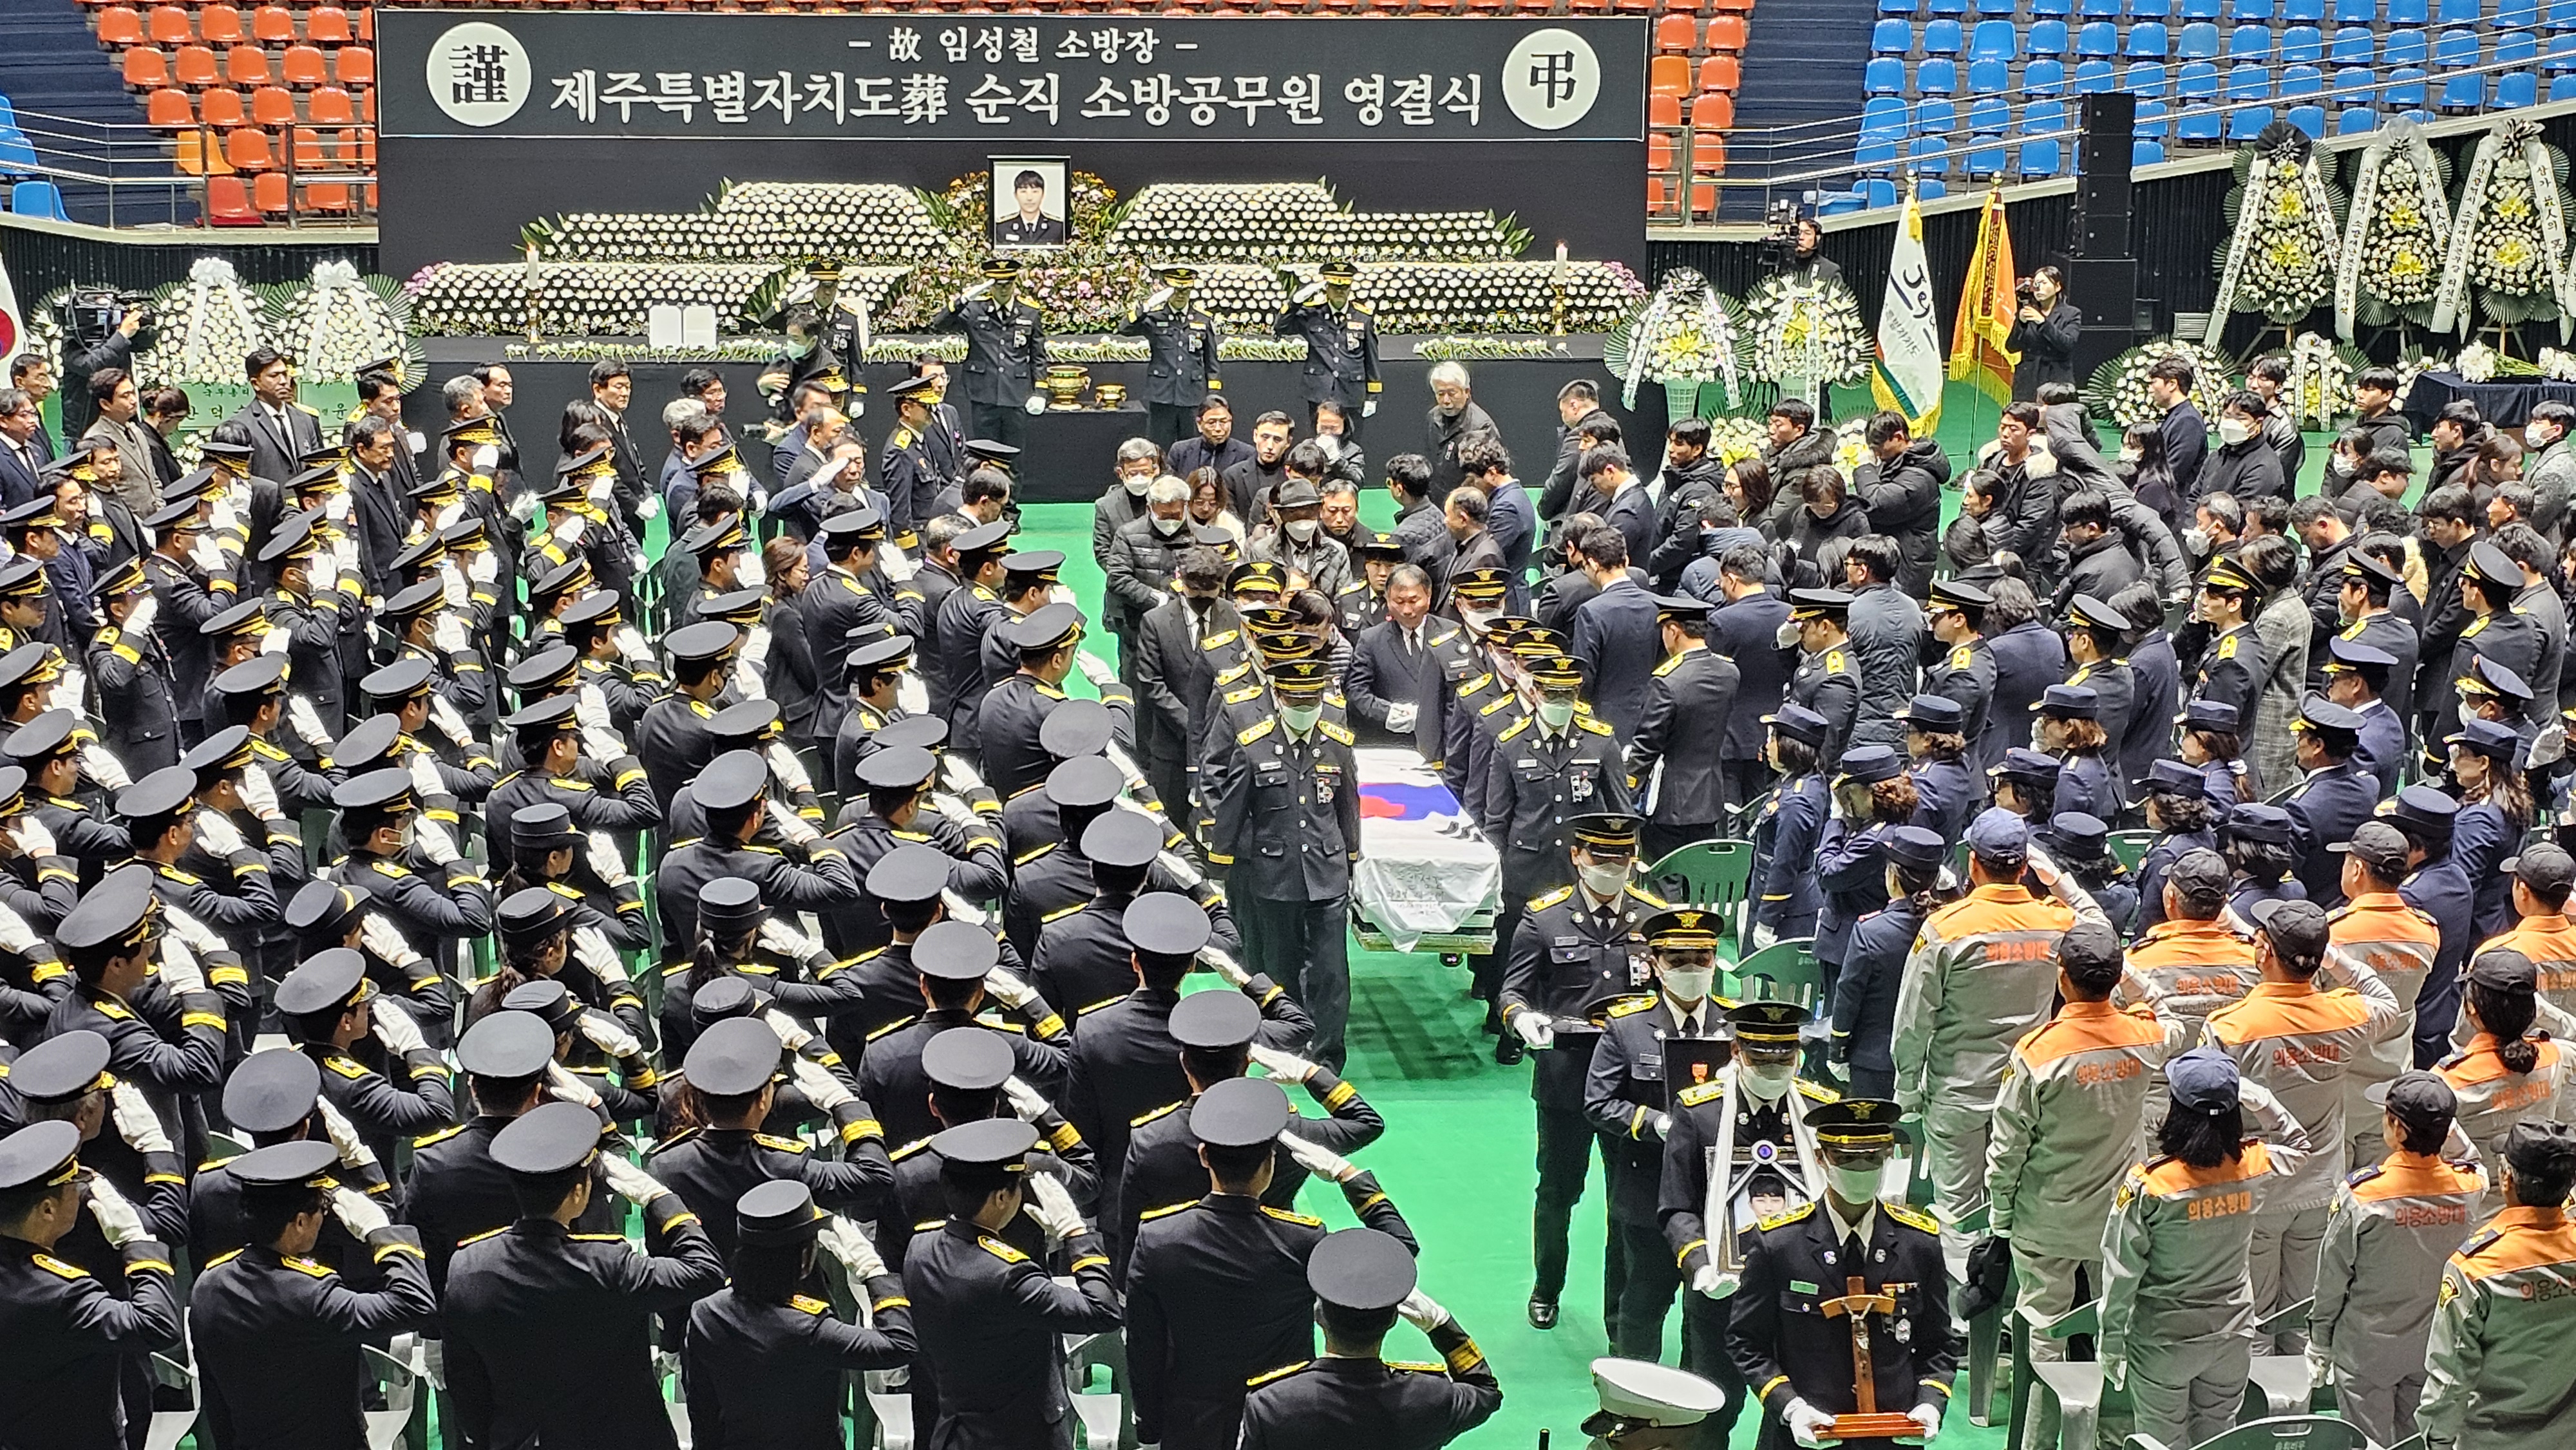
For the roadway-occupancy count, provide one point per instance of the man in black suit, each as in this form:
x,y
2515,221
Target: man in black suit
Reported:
x,y
1176,675
2186,433
22,449
32,373
282,430
1615,635
1394,685
1576,402
384,510
1676,760
1472,545
1746,629
612,387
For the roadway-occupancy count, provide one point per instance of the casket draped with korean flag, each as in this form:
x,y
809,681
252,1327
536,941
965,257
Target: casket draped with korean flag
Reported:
x,y
1427,880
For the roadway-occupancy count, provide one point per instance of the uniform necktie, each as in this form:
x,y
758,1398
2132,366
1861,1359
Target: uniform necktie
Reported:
x,y
1852,1251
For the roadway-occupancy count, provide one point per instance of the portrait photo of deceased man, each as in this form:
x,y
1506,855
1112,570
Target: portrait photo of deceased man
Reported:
x,y
1029,201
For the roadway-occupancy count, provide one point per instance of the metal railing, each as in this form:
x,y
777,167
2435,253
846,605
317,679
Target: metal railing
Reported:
x,y
126,174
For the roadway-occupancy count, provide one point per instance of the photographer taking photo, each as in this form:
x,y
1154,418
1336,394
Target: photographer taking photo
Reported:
x,y
2044,333
91,343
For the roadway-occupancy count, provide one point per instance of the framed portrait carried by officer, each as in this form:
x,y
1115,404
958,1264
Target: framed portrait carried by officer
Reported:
x,y
1029,201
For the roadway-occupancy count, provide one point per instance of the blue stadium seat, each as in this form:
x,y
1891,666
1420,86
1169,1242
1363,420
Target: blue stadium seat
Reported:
x,y
2146,153
1928,189
2044,77
1989,113
1936,77
2455,49
2052,7
1875,151
1988,156
2145,78
2562,53
1883,76
1883,116
1942,37
2517,88
2301,80
2309,11
1929,155
2200,9
2303,45
2202,124
2359,121
1895,7
1891,37
2355,86
2311,119
2040,117
17,153
2197,81
1946,7
2249,43
2047,37
2101,37
2464,93
2197,42
1934,116
2519,47
2354,45
2040,158
2562,88
2403,47
2409,12
2251,10
2562,14
2248,83
2148,41
1994,40
2247,122
37,199
1877,191
1989,77
1838,203
2150,9
2356,12
2110,9
2405,90
2517,14
2153,120
2459,12
2094,77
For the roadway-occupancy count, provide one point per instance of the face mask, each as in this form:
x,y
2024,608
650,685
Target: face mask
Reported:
x,y
486,458
1853,1184
600,492
1137,486
1479,619
410,831
1167,527
1603,881
336,507
799,346
450,514
2232,431
1690,986
748,573
1303,530
1555,713
1300,718
1768,1080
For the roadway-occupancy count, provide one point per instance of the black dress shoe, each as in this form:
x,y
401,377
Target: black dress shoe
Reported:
x,y
1508,1049
1542,1313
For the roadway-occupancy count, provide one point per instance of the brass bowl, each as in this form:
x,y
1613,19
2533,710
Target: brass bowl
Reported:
x,y
1063,384
1109,396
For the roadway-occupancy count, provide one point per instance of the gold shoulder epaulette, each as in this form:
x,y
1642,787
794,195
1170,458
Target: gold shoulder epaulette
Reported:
x,y
485,1234
773,1141
1698,1093
1247,693
1061,913
1166,1211
1595,726
1247,736
1141,1119
1911,1216
1516,727
425,1139
1632,1006
1817,1092
1648,897
1284,1216
1782,1220
1000,1250
1336,732
810,1304
1027,857
1282,1372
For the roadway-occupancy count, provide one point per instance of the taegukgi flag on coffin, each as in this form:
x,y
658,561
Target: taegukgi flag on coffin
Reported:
x,y
1978,354
1907,376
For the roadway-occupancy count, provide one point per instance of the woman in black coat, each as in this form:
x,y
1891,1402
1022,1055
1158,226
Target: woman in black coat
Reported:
x,y
2044,334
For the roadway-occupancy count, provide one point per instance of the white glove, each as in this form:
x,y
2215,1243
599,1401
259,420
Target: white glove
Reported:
x,y
787,941
590,708
1053,1208
1095,669
524,507
649,507
378,935
394,1028
755,645
797,830
1536,1028
1007,989
1321,1161
1156,298
790,771
1287,1067
1036,404
960,909
71,693
1806,1423
448,634
260,793
1764,936
1215,960
1422,1311
628,1181
823,1090
1927,1416
606,859
188,929
139,622
453,591
912,693
895,564
435,843
630,645
957,811
443,712
751,678
354,1152
179,971
1715,1283
103,767
208,555
217,834
357,1213
601,743
117,1219
569,1087
32,837
300,714
1027,1103
136,1123
1180,870
591,947
609,1035
846,1242
425,777
567,532
792,1034
1399,716
16,935
220,517
483,568
973,291
1368,409
2320,1366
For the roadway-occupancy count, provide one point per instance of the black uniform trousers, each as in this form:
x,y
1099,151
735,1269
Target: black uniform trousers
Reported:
x,y
1704,1354
999,422
1651,1277
1169,423
1567,1143
1304,946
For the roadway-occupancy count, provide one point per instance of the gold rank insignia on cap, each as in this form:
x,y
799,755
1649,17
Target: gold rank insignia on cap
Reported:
x,y
1609,830
2225,573
722,462
1557,670
1854,1122
1479,583
824,269
1685,928
1776,1022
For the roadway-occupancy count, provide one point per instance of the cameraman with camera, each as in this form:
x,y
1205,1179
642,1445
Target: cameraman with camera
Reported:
x,y
100,333
2043,333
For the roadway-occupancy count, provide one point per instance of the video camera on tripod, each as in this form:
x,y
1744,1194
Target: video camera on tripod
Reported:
x,y
92,314
1779,234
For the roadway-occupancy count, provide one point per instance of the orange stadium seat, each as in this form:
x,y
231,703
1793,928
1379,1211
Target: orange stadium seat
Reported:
x,y
222,108
1726,33
246,148
1739,5
269,193
1659,152
170,26
246,65
367,105
1669,75
327,25
119,26
1714,112
304,65
367,24
273,25
309,155
1708,153
193,157
228,202
1677,33
1721,73
194,66
272,106
330,106
221,25
356,65
326,196
168,108
1664,111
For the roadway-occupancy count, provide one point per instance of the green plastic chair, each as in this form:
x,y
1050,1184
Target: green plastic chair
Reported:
x,y
2307,1432
2074,1387
1711,875
2130,847
1785,971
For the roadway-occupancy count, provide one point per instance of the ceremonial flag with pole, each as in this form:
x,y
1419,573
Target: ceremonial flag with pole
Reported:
x,y
1907,376
13,324
1978,355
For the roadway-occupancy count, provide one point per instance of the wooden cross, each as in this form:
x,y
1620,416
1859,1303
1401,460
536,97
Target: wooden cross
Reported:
x,y
1858,1303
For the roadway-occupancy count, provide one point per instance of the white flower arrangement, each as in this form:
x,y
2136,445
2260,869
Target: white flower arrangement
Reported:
x,y
1688,332
600,298
1802,331
2283,243
2321,374
2413,364
2477,363
1178,221
2558,365
338,320
757,221
2117,391
208,324
1736,438
2510,239
1480,347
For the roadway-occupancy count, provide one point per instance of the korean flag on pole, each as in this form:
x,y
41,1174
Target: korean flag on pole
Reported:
x,y
1907,374
13,323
